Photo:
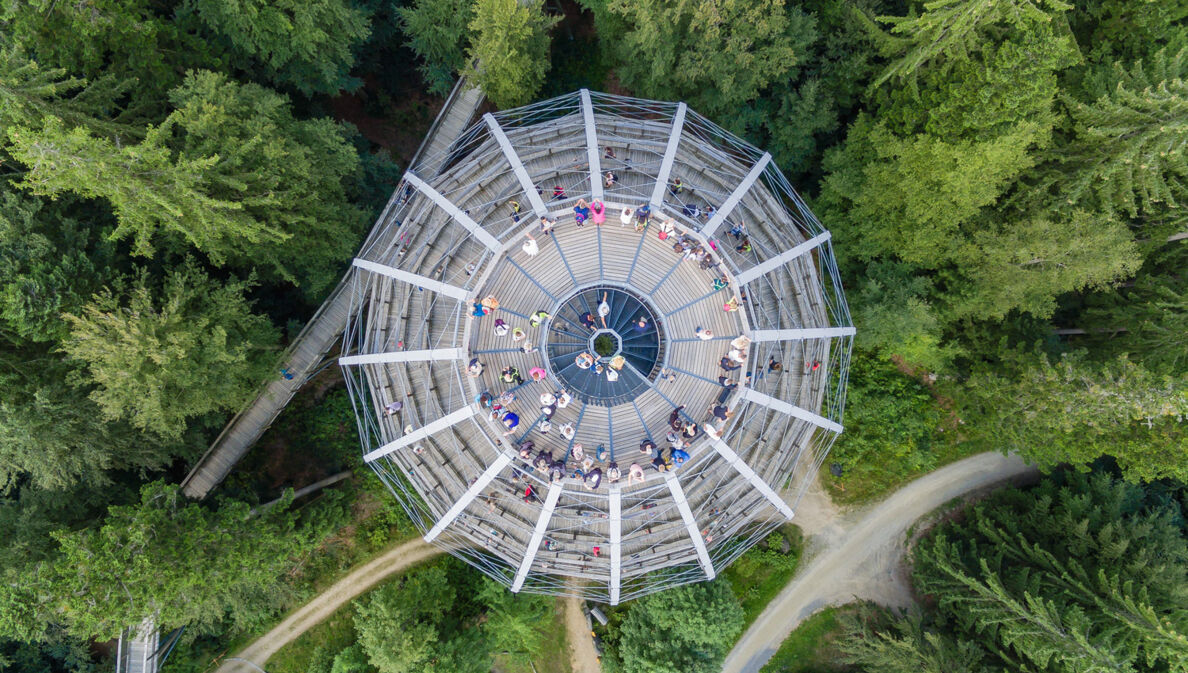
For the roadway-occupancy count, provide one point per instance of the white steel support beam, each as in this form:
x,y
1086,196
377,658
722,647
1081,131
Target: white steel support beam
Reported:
x,y
421,433
592,155
542,525
455,212
403,356
747,473
459,293
739,192
492,471
674,139
616,542
801,334
678,496
779,260
513,158
783,407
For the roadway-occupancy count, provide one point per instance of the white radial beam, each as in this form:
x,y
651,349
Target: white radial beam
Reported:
x,y
779,260
678,496
459,293
455,212
493,470
517,165
674,139
404,356
542,524
739,192
747,473
616,541
592,147
790,409
801,334
421,433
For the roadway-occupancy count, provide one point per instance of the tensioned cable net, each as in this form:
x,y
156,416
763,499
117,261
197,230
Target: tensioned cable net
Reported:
x,y
600,347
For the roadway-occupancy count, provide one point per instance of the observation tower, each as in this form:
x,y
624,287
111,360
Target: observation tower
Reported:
x,y
632,326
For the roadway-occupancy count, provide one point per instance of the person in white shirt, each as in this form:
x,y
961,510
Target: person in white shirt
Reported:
x,y
626,216
530,247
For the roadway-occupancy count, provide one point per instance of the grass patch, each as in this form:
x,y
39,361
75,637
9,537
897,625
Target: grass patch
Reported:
x,y
812,647
319,644
869,482
759,574
555,656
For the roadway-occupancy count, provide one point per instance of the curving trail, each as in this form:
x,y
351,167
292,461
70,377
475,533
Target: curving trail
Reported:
x,y
366,576
861,559
855,557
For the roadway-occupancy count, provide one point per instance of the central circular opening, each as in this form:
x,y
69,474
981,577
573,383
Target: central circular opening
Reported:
x,y
604,345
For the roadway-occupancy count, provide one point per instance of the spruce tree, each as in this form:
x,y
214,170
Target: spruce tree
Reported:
x,y
1128,154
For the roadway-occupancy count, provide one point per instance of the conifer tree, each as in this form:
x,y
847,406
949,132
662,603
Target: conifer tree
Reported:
x,y
158,357
306,44
509,50
437,32
947,31
1076,410
29,94
1129,152
146,185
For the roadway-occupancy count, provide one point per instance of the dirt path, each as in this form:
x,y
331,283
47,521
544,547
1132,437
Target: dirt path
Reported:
x,y
859,556
582,656
324,604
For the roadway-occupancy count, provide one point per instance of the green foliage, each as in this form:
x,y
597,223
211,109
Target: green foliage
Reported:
x,y
892,310
1074,410
159,357
1148,319
688,629
192,565
1082,573
437,32
513,621
1128,153
306,44
145,185
811,647
30,93
1008,78
54,436
1026,264
763,571
511,46
892,422
409,626
50,263
281,173
911,196
130,40
947,31
906,646
716,55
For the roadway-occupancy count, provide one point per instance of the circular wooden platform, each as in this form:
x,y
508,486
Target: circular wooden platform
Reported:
x,y
456,237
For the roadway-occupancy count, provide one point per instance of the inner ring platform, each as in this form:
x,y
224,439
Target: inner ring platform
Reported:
x,y
570,335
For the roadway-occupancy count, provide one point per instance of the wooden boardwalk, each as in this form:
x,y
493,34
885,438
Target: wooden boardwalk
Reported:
x,y
304,356
529,519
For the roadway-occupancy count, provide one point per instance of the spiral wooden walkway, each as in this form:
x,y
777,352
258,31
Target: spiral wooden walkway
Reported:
x,y
412,334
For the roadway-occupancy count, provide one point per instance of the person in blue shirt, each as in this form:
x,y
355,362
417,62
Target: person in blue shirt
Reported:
x,y
679,456
511,420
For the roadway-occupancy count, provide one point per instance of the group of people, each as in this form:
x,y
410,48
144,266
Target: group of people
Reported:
x,y
583,467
